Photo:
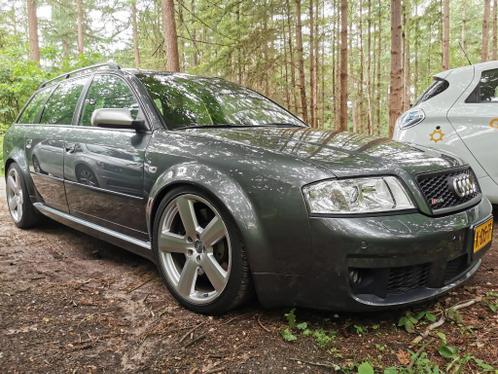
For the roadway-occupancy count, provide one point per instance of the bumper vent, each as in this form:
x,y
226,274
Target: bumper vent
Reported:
x,y
449,190
407,278
454,268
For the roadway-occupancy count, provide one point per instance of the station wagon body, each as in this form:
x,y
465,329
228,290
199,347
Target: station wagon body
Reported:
x,y
231,195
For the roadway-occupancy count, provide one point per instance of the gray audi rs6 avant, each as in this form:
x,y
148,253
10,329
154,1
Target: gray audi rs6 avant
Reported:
x,y
231,195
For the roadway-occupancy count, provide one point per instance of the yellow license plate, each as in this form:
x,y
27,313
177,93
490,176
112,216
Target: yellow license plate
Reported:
x,y
483,234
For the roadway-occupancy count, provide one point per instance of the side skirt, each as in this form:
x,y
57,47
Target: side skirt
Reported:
x,y
134,245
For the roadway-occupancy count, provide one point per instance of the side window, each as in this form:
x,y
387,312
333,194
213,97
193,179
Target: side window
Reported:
x,y
487,89
438,86
32,111
108,91
60,107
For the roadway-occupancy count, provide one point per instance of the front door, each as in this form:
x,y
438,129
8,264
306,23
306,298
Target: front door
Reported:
x,y
475,118
103,168
44,143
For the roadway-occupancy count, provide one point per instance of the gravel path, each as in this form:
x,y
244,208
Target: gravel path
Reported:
x,y
72,303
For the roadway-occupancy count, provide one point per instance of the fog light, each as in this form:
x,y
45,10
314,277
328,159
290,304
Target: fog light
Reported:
x,y
355,277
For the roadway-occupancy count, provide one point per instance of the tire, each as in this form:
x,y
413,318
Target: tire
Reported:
x,y
203,265
19,204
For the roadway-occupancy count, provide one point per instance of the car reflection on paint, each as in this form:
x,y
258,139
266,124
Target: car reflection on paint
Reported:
x,y
104,167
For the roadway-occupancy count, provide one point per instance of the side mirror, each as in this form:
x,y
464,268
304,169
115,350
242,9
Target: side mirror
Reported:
x,y
116,118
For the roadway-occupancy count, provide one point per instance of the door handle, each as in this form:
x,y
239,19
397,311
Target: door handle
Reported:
x,y
70,148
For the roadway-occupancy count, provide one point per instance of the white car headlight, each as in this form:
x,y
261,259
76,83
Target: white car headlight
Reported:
x,y
357,195
411,118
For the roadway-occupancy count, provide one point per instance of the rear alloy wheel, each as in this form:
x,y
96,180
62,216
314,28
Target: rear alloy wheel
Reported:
x,y
199,254
15,196
20,207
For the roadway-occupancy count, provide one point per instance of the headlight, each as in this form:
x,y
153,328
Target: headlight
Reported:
x,y
357,195
411,118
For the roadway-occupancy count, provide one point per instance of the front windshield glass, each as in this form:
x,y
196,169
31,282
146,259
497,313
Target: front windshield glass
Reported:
x,y
186,101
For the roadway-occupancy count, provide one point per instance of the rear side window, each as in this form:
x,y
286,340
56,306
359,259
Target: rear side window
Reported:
x,y
439,85
60,107
487,89
108,91
31,113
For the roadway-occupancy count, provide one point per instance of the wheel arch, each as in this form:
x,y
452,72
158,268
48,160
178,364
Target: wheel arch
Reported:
x,y
220,187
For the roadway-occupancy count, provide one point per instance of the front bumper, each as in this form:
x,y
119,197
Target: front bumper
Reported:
x,y
399,260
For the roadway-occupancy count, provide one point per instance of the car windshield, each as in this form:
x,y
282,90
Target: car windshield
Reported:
x,y
189,102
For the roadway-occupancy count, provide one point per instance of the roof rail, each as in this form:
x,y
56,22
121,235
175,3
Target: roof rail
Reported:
x,y
108,65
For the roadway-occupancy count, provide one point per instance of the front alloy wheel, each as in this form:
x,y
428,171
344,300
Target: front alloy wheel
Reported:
x,y
199,253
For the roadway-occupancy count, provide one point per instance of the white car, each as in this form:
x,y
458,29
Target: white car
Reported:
x,y
458,113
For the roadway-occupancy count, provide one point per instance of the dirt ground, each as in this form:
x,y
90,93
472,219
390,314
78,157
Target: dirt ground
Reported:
x,y
72,303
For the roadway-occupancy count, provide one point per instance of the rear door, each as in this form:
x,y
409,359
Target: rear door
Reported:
x,y
44,142
475,118
104,167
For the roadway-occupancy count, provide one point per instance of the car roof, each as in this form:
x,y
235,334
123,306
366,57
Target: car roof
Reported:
x,y
464,69
112,67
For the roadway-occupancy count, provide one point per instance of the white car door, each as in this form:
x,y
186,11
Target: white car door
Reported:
x,y
474,117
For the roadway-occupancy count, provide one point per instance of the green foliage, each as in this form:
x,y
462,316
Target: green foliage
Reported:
x,y
321,337
290,316
410,320
365,368
457,361
360,330
288,336
491,300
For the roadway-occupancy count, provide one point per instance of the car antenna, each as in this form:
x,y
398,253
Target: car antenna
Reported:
x,y
464,52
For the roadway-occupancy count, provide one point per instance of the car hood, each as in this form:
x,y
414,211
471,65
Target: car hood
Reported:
x,y
340,153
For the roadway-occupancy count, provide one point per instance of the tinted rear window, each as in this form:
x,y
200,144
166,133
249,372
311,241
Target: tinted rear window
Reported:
x,y
438,86
487,89
61,105
31,113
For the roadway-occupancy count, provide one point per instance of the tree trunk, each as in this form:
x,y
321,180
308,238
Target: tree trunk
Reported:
x,y
369,68
417,43
79,25
34,48
396,86
291,56
446,34
300,58
379,71
312,67
136,50
464,24
194,37
343,77
286,66
485,32
361,72
495,31
335,66
170,37
406,55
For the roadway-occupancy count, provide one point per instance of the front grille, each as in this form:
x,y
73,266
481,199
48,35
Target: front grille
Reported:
x,y
439,193
407,278
454,268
